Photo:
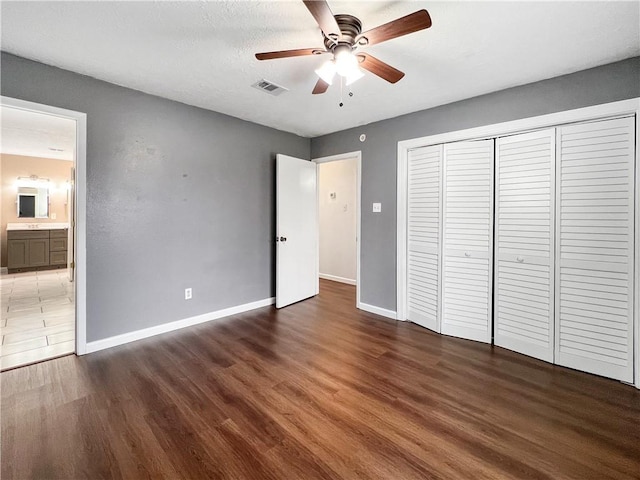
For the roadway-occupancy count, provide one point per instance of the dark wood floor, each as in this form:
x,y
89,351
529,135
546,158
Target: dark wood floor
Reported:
x,y
316,390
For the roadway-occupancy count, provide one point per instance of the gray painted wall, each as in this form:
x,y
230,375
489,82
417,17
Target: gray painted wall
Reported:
x,y
177,197
177,194
609,83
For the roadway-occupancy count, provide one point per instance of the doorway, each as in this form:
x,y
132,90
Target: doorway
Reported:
x,y
339,218
43,276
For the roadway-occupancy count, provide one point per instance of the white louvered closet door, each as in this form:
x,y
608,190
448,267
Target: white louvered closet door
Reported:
x,y
424,199
595,226
467,239
524,308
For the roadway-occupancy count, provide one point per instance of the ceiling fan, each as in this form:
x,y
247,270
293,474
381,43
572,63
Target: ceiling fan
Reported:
x,y
343,37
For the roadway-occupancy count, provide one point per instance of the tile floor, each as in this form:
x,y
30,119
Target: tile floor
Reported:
x,y
38,317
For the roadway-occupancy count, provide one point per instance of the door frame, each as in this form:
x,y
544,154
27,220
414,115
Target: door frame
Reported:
x,y
357,155
636,306
80,243
595,112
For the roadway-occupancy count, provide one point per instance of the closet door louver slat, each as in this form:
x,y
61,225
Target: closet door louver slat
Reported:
x,y
467,239
595,225
424,199
523,312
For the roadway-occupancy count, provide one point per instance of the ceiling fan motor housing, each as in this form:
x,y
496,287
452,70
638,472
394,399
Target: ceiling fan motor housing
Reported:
x,y
350,28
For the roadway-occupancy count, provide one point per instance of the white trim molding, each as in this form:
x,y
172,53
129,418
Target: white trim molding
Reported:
x,y
335,278
637,253
586,114
402,205
176,325
80,243
334,158
378,311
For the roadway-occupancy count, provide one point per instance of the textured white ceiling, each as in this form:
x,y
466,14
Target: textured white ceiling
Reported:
x,y
36,135
202,53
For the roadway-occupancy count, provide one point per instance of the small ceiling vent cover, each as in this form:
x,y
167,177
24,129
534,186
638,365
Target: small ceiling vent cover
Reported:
x,y
269,87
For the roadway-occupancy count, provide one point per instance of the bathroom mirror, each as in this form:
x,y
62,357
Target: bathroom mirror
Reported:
x,y
33,202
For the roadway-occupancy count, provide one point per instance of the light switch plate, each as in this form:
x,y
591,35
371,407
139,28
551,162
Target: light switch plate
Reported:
x,y
377,207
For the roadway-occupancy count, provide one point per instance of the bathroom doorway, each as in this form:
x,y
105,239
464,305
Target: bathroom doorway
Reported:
x,y
39,159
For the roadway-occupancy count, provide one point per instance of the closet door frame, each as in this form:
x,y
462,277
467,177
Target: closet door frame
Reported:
x,y
596,112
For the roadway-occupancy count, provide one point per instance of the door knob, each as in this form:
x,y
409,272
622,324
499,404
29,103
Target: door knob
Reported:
x,y
283,239
520,259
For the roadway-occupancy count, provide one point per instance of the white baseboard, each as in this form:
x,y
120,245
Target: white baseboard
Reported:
x,y
377,310
335,278
171,326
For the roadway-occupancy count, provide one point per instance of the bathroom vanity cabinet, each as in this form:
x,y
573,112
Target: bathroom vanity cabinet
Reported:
x,y
36,249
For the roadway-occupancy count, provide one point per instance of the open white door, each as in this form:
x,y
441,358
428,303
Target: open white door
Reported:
x,y
296,230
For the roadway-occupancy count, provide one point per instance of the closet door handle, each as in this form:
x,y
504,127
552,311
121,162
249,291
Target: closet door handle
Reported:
x,y
520,259
467,254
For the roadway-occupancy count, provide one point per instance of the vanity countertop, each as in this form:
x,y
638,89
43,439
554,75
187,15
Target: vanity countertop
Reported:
x,y
37,226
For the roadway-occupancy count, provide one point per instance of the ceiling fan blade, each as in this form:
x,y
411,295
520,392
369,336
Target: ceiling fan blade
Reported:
x,y
321,87
322,13
379,68
397,28
289,53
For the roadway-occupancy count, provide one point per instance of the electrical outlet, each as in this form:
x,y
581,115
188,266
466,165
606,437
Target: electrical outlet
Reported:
x,y
188,294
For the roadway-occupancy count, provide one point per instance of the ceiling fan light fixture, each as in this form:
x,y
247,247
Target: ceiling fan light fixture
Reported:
x,y
346,63
357,74
327,71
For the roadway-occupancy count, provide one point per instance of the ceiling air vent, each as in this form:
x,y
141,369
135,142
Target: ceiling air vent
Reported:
x,y
269,87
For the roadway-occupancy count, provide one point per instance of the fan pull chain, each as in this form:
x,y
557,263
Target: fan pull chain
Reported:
x,y
349,92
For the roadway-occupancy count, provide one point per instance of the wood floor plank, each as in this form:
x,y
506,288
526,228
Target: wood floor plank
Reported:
x,y
318,390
